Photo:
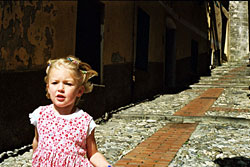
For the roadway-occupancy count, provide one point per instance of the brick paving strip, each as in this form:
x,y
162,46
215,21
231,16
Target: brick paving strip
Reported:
x,y
159,149
201,104
232,74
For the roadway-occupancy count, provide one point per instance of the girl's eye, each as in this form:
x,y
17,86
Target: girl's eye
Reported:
x,y
53,83
69,84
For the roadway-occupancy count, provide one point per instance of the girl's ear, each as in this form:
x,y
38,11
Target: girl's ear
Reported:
x,y
48,91
47,87
80,91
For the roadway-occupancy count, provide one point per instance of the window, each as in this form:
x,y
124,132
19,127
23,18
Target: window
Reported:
x,y
142,42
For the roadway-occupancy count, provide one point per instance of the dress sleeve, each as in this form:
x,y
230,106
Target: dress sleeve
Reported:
x,y
34,116
92,126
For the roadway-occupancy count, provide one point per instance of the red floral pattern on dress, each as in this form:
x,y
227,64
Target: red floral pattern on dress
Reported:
x,y
62,142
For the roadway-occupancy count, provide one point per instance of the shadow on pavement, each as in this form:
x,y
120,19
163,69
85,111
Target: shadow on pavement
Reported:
x,y
233,162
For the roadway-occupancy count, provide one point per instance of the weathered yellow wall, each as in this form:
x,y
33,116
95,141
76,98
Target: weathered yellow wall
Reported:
x,y
32,32
118,28
156,30
121,15
120,22
190,15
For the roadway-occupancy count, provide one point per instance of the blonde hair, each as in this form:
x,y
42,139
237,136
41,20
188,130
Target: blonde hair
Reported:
x,y
82,71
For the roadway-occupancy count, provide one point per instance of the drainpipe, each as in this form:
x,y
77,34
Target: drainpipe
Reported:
x,y
133,42
133,53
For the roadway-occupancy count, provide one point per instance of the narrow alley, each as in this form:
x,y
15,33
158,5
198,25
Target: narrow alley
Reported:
x,y
199,126
213,126
145,54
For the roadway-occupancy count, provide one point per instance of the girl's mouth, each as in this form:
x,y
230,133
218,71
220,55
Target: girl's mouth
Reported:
x,y
60,97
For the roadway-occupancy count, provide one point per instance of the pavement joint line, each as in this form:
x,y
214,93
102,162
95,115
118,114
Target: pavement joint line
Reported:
x,y
218,86
228,109
186,119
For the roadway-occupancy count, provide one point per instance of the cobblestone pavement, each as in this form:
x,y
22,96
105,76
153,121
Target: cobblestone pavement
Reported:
x,y
222,132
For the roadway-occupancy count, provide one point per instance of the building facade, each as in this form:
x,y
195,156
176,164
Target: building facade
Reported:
x,y
139,48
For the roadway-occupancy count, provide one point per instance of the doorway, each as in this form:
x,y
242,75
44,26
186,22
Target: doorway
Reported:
x,y
170,59
89,28
194,56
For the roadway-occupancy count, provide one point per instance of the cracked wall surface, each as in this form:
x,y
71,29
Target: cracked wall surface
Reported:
x,y
31,32
239,32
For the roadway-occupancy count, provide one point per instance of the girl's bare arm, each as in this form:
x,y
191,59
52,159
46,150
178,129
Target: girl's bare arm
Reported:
x,y
35,140
96,158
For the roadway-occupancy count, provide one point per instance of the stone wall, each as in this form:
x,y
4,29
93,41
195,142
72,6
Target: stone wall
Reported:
x,y
239,32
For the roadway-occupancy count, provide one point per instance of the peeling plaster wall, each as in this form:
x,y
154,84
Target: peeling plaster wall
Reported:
x,y
31,32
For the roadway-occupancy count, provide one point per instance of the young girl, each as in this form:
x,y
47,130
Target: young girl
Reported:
x,y
64,134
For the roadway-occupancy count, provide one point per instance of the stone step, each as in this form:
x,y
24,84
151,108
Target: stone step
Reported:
x,y
217,77
184,119
218,86
233,82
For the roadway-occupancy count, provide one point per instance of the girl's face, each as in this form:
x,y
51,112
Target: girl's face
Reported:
x,y
63,89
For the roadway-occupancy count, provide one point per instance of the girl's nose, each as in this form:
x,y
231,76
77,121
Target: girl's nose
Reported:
x,y
60,88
